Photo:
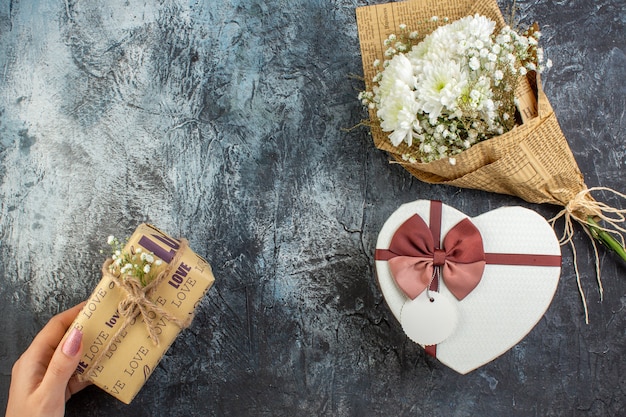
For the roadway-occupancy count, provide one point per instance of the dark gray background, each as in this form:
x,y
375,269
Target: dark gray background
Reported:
x,y
221,121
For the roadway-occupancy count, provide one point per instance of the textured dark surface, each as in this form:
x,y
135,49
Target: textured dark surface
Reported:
x,y
222,122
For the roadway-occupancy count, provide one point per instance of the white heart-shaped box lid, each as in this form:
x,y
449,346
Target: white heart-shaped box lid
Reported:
x,y
509,300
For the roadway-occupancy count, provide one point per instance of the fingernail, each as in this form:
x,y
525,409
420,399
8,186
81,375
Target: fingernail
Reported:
x,y
72,343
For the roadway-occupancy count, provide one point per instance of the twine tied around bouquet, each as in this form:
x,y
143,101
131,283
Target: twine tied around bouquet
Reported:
x,y
137,301
577,209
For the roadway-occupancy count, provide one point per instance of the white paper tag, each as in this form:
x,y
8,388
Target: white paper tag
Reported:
x,y
429,319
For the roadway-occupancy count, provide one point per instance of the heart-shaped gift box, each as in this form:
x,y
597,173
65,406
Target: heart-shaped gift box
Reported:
x,y
467,289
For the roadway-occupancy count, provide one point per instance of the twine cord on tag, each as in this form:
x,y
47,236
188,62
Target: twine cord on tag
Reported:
x,y
436,273
581,206
137,302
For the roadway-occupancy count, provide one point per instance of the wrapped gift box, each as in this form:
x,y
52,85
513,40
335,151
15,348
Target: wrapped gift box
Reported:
x,y
119,353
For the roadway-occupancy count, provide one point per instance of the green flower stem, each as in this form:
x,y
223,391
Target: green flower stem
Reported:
x,y
605,238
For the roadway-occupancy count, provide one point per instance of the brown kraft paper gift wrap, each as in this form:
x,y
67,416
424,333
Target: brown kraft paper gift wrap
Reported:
x,y
121,363
532,161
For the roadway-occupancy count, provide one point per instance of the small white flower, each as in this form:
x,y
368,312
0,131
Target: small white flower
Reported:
x,y
474,63
158,262
452,161
146,269
110,239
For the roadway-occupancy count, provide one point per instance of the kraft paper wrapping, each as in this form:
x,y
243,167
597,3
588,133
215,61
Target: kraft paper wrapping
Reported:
x,y
132,356
532,161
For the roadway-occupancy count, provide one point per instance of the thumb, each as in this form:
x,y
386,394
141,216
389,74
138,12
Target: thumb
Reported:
x,y
63,363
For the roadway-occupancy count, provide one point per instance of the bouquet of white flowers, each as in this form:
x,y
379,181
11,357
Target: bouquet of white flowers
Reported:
x,y
452,89
457,100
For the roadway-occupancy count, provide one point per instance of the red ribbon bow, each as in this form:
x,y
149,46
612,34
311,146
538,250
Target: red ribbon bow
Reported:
x,y
413,255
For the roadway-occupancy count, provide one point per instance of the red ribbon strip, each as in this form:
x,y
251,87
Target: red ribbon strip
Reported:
x,y
415,251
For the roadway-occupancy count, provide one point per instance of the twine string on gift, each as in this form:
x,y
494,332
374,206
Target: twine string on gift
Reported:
x,y
584,205
136,302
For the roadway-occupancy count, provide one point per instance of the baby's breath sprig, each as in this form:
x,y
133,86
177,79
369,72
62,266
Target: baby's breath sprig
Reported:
x,y
137,263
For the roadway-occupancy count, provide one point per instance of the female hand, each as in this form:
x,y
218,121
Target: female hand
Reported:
x,y
41,380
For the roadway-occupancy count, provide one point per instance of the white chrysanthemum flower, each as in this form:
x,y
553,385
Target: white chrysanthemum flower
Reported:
x,y
442,45
398,113
479,26
440,87
400,70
